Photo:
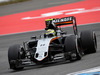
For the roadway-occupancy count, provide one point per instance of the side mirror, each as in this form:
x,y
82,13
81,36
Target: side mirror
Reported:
x,y
62,33
46,28
33,37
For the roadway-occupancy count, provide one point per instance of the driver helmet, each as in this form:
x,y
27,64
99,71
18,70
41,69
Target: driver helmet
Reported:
x,y
50,33
50,24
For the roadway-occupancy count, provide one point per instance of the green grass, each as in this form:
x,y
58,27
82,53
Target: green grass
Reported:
x,y
12,1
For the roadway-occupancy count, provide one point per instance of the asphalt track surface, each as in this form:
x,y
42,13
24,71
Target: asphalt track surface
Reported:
x,y
32,5
88,61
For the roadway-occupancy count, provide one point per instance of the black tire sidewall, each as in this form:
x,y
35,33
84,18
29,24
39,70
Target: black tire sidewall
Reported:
x,y
87,40
72,44
13,54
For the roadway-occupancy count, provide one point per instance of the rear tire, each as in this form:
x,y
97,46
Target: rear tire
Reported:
x,y
89,42
71,46
13,54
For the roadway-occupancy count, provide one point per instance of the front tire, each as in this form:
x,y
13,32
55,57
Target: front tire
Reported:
x,y
14,54
72,47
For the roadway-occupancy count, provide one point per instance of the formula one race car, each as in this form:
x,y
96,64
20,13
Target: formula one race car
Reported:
x,y
53,45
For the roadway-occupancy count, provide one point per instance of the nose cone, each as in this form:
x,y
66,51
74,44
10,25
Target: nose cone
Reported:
x,y
42,49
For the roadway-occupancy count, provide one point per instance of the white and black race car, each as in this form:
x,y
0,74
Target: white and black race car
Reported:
x,y
53,47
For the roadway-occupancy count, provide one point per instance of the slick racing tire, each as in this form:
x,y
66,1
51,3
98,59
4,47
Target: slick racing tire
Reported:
x,y
13,54
72,47
89,42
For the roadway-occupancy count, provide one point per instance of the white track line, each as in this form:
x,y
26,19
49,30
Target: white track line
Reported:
x,y
95,69
43,29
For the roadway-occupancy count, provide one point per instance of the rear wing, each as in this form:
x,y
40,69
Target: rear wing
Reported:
x,y
66,21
